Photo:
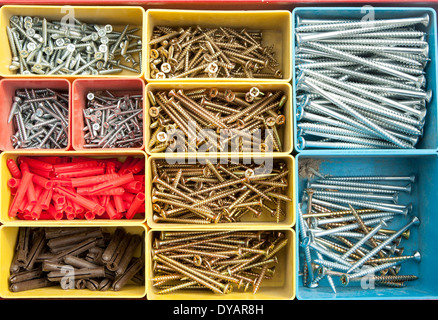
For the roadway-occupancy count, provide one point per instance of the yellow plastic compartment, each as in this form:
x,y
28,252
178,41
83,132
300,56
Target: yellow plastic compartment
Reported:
x,y
6,198
118,17
8,237
285,131
248,222
280,287
276,26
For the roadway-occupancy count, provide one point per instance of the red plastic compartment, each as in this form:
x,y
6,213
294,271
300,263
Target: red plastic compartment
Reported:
x,y
7,92
81,87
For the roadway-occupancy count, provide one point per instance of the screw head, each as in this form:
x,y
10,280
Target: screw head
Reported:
x,y
416,221
103,48
17,99
426,19
71,47
213,92
90,96
166,67
48,50
104,40
254,91
59,42
31,46
249,173
162,136
31,32
344,280
101,32
98,55
300,113
108,28
15,19
28,24
160,75
301,143
271,121
248,97
305,242
94,36
213,68
197,260
154,54
154,112
228,288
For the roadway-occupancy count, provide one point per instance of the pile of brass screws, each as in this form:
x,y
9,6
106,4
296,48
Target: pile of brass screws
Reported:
x,y
43,47
40,118
217,193
218,261
76,258
198,52
240,121
113,121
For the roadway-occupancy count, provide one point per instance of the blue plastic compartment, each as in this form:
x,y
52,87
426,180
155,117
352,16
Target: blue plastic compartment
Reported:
x,y
423,238
429,141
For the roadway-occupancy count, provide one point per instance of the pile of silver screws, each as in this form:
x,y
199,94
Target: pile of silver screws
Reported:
x,y
198,52
40,118
42,47
218,193
361,84
219,261
345,233
239,121
113,121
